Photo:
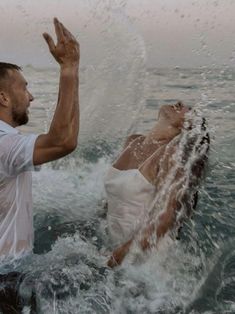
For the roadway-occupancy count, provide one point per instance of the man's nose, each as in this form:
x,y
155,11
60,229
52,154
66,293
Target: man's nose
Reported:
x,y
31,98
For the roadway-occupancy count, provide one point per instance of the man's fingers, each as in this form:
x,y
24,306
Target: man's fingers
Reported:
x,y
49,41
58,30
66,32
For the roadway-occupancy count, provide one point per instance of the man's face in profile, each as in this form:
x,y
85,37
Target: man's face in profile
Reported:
x,y
20,98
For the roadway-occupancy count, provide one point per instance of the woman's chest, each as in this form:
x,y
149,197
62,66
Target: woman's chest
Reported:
x,y
135,155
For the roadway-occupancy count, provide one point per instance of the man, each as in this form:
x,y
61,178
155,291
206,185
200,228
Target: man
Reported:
x,y
19,154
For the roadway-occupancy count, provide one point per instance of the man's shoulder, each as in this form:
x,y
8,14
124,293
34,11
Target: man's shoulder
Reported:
x,y
10,140
6,138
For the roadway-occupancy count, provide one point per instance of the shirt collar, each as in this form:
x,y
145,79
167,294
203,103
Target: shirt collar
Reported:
x,y
7,128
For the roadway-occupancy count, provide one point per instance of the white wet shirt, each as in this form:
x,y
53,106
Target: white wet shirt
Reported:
x,y
16,219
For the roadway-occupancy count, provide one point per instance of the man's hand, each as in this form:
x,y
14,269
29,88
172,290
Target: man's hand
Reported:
x,y
61,139
66,52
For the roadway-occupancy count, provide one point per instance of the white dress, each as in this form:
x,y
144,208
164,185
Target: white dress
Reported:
x,y
129,196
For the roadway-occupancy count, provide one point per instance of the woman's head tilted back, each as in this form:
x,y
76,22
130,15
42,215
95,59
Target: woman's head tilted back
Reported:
x,y
173,115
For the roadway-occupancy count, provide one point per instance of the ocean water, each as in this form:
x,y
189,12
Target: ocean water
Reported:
x,y
119,96
68,267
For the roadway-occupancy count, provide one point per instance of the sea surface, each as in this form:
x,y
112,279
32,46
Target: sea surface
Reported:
x,y
68,269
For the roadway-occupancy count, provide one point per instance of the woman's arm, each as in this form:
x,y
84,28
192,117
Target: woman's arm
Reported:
x,y
164,222
130,139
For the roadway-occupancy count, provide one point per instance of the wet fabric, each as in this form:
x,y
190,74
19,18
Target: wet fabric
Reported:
x,y
16,162
129,197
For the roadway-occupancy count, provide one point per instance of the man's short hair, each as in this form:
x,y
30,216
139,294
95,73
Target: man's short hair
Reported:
x,y
4,67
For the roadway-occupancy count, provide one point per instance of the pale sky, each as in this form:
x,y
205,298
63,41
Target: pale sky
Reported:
x,y
185,33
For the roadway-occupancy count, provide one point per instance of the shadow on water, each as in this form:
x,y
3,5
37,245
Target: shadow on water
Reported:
x,y
45,237
217,293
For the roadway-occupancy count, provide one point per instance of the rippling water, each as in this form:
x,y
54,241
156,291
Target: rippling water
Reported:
x,y
67,268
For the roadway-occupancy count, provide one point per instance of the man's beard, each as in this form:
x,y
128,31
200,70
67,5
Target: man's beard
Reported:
x,y
19,118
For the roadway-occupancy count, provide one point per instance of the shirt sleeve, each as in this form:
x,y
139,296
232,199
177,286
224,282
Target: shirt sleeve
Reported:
x,y
17,153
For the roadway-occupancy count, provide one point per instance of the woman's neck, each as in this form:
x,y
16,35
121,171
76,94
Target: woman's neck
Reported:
x,y
162,132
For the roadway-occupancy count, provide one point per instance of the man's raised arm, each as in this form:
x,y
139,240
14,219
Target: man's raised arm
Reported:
x,y
61,138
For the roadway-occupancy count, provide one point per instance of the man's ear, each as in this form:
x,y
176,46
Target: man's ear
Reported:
x,y
4,99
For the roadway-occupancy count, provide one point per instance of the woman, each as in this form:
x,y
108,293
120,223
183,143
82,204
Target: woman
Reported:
x,y
152,186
